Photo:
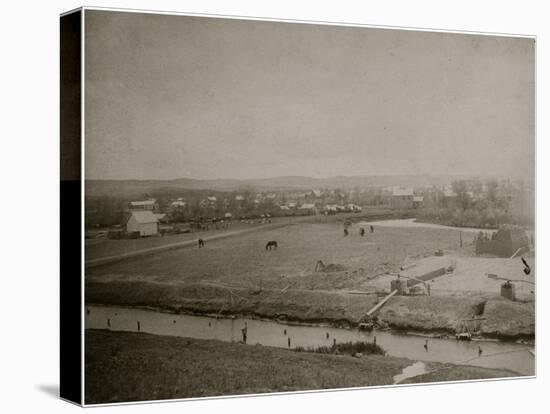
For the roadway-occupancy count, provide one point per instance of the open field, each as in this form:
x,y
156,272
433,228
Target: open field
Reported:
x,y
236,275
133,367
100,248
243,261
103,247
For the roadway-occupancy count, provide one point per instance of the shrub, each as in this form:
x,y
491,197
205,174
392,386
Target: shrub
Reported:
x,y
348,348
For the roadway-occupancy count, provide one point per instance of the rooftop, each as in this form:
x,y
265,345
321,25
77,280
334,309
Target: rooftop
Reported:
x,y
403,192
142,203
144,217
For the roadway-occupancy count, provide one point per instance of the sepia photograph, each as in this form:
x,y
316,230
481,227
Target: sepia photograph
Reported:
x,y
290,206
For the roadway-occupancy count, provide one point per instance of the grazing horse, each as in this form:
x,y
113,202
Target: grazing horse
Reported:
x,y
271,245
201,243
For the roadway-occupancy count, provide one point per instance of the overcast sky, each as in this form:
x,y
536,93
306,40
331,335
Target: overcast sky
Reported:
x,y
178,96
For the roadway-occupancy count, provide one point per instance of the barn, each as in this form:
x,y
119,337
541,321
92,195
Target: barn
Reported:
x,y
308,208
145,222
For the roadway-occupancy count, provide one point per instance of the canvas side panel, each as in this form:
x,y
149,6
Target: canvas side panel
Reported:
x,y
70,206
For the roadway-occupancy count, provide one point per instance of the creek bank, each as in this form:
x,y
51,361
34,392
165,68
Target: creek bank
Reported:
x,y
125,366
448,372
128,366
423,314
509,320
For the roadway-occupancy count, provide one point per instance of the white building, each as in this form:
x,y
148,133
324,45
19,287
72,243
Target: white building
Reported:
x,y
142,205
308,208
144,221
178,204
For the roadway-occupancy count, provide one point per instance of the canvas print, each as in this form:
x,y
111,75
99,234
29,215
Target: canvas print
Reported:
x,y
275,206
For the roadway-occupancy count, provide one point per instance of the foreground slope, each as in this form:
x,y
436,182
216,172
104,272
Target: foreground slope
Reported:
x,y
136,367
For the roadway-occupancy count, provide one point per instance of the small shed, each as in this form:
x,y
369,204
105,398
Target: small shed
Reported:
x,y
145,222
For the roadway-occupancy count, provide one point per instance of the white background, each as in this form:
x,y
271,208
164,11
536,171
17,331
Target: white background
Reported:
x,y
29,206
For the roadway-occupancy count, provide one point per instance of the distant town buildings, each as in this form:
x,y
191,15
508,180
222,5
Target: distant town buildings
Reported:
x,y
461,202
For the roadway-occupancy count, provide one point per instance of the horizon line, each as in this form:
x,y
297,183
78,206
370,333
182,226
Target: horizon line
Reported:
x,y
458,176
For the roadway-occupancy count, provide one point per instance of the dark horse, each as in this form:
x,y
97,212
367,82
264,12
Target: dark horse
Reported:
x,y
271,245
201,243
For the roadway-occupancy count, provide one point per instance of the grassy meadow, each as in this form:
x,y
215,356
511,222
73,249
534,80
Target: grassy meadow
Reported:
x,y
243,261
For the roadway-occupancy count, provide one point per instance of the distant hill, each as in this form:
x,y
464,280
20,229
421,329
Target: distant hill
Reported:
x,y
132,188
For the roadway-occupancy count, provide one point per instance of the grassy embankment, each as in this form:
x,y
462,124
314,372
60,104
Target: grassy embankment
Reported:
x,y
135,367
507,320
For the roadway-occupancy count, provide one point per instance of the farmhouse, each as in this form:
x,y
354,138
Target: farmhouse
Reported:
x,y
450,198
353,208
418,201
145,222
402,198
308,208
208,202
143,205
178,204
